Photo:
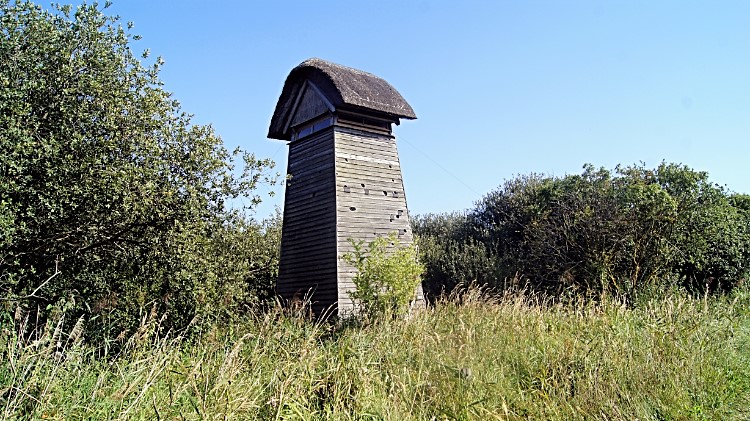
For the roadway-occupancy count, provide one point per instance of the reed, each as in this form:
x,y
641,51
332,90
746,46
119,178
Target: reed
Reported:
x,y
471,356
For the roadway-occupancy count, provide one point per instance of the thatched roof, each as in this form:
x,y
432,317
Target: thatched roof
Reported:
x,y
344,88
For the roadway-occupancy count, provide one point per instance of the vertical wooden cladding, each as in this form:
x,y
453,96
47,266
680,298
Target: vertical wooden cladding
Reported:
x,y
309,106
370,199
308,244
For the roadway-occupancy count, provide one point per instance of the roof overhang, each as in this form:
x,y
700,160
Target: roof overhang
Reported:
x,y
317,86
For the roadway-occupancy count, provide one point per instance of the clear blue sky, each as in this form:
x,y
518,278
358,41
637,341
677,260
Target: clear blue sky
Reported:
x,y
500,88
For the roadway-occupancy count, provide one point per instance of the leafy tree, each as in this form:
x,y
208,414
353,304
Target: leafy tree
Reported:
x,y
109,196
621,231
600,231
711,234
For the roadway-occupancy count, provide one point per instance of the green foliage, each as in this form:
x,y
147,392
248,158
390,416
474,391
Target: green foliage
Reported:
x,y
711,235
111,201
388,274
473,357
454,256
595,232
619,231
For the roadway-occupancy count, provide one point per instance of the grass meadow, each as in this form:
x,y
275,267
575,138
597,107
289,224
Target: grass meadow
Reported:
x,y
472,356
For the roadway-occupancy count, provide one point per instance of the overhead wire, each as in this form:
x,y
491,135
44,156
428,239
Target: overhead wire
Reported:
x,y
441,167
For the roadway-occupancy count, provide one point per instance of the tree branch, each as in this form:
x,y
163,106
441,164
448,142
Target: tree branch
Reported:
x,y
57,272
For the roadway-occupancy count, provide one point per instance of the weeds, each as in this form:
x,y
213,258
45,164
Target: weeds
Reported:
x,y
470,356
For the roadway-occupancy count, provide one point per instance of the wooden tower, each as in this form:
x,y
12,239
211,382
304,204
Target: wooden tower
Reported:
x,y
345,177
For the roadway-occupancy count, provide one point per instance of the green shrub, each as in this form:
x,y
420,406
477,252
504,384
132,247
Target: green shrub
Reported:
x,y
619,231
452,255
711,234
388,274
112,203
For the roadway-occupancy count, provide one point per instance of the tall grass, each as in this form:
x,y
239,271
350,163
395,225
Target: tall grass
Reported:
x,y
468,357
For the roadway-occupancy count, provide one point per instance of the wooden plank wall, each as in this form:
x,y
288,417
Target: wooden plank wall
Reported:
x,y
309,107
308,246
370,198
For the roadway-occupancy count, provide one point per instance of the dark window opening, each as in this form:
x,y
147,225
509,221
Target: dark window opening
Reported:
x,y
311,127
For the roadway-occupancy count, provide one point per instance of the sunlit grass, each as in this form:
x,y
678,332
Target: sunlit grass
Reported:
x,y
469,357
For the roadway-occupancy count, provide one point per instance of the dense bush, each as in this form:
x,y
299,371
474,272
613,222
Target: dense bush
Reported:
x,y
112,204
618,231
453,254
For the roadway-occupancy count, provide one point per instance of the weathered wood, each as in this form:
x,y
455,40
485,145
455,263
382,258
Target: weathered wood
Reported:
x,y
308,243
366,212
345,177
310,105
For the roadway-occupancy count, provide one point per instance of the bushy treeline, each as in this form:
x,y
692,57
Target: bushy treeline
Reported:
x,y
614,231
112,203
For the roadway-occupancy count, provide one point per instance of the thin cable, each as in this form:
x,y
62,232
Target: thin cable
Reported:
x,y
441,167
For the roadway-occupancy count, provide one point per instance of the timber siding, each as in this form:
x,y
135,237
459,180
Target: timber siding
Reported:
x,y
370,199
308,243
345,178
